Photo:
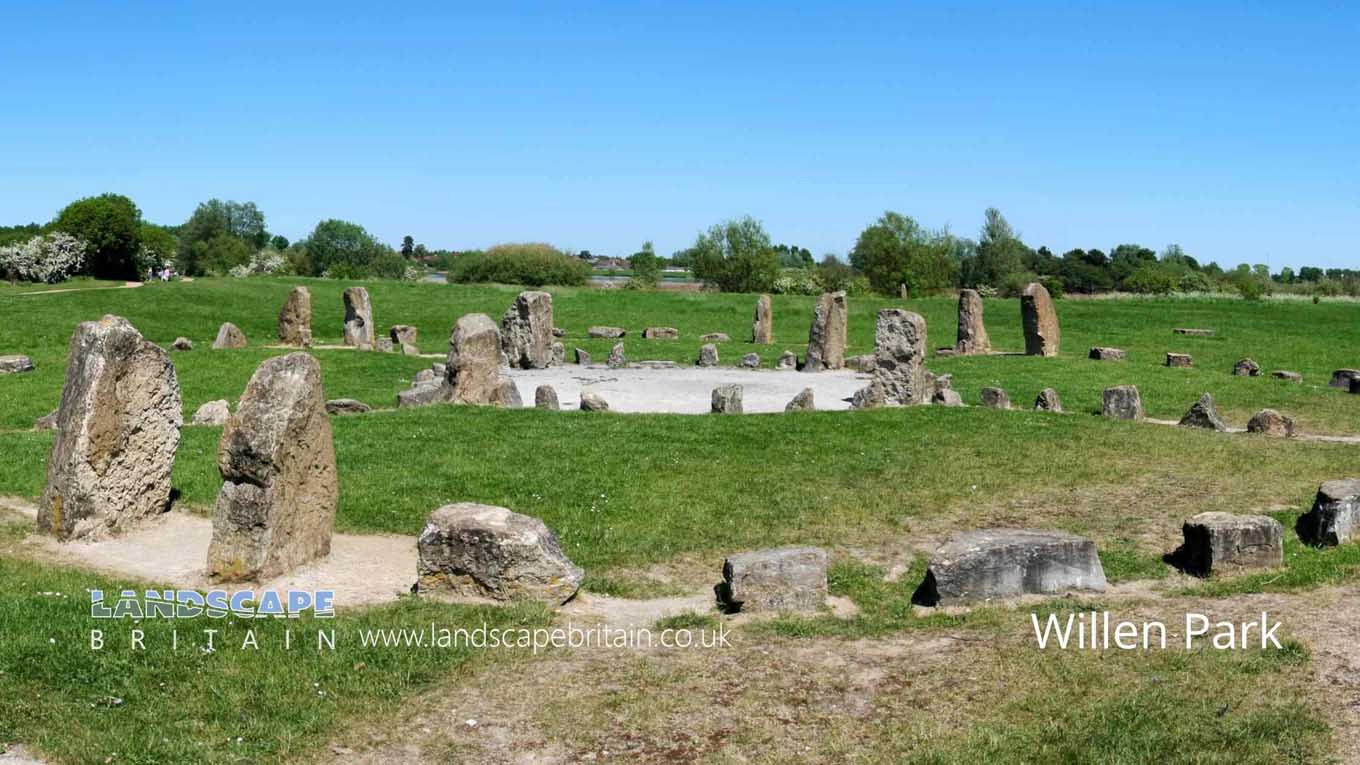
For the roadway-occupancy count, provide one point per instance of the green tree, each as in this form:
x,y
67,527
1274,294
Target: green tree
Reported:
x,y
1000,253
278,242
111,225
646,266
793,256
345,250
215,219
159,246
736,256
220,254
408,246
896,250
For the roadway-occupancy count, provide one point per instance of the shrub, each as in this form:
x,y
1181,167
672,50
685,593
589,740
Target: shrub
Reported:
x,y
344,250
736,256
530,264
797,281
263,263
49,259
1194,281
896,250
1151,279
1015,282
110,225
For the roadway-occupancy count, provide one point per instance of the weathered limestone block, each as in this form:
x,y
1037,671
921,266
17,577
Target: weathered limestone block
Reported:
x,y
423,377
15,364
182,344
661,333
972,337
1048,401
1122,402
473,365
507,394
997,564
946,397
715,337
1215,542
708,355
1335,517
276,510
1285,374
787,360
803,402
1179,360
1042,336
727,399
1203,415
212,413
750,361
1271,423
346,406
1101,353
545,397
384,344
783,579
1193,332
899,359
295,318
762,324
117,432
1247,368
617,359
865,362
423,394
582,357
826,337
229,336
406,338
593,402
995,398
490,552
559,354
359,326
526,331
609,333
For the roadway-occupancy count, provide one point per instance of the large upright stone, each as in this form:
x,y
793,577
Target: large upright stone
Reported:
x,y
972,337
490,552
117,432
826,337
1048,401
1041,321
899,359
617,359
295,318
1204,415
1218,541
1122,402
1335,517
783,579
526,331
996,564
276,510
472,372
762,325
229,336
545,397
359,327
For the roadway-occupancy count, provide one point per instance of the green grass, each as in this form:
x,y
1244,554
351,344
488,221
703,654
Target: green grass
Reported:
x,y
79,705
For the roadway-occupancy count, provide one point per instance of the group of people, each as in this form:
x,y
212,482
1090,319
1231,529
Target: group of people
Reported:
x,y
164,274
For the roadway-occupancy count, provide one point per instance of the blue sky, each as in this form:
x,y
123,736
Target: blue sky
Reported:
x,y
1230,129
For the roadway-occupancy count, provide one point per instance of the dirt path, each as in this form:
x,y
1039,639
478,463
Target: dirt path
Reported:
x,y
123,286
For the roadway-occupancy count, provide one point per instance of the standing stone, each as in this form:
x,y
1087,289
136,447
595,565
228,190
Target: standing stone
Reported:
x,y
616,358
1335,517
1041,321
996,564
559,354
1342,378
526,331
545,397
229,336
1122,402
972,337
899,359
212,413
117,432
995,398
359,327
762,326
1101,353
1271,423
295,318
384,344
787,360
826,338
1203,415
784,579
346,406
1247,368
750,361
708,355
802,402
593,402
946,397
405,337
182,344
608,333
1179,360
1048,401
1218,541
661,333
472,371
276,510
490,552
506,395
582,357
15,365
727,399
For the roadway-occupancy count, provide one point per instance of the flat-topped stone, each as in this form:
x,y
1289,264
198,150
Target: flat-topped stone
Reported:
x,y
607,333
346,406
750,361
661,333
485,551
1048,401
1122,402
1342,378
715,337
708,355
1285,374
1217,542
999,564
1179,360
1335,516
15,364
1101,353
784,579
1247,368
727,399
1193,331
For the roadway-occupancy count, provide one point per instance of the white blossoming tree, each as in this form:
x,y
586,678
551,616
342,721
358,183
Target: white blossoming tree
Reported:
x,y
49,258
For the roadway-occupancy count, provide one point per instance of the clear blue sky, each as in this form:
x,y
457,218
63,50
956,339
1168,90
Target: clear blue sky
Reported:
x,y
1231,129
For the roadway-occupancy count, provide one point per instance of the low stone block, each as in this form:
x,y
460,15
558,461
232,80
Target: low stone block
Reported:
x,y
1194,332
865,362
1285,374
803,402
1247,368
995,398
212,413
1218,542
490,552
708,355
1271,423
715,337
593,402
608,333
727,399
1100,353
1122,402
617,359
1048,401
15,364
229,336
346,406
1179,360
182,344
784,579
545,397
582,357
998,564
661,333
787,360
750,361
1335,516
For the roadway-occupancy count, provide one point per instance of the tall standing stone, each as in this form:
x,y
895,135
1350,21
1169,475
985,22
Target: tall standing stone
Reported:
x,y
617,359
1122,402
526,331
276,510
762,326
900,377
117,432
826,338
472,372
358,319
972,338
1040,320
295,319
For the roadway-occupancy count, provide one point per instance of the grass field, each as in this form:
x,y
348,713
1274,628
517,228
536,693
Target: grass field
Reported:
x,y
650,504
